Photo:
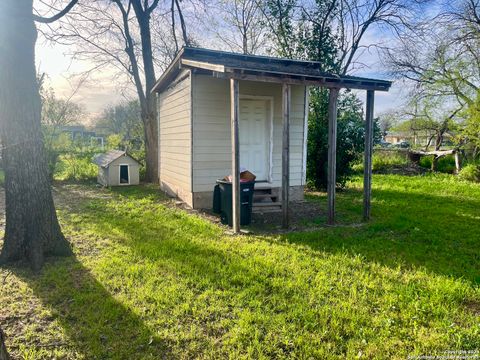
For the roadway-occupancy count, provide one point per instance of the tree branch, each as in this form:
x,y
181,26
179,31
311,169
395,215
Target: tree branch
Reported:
x,y
56,17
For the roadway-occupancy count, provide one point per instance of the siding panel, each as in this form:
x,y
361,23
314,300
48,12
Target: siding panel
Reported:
x,y
211,130
175,138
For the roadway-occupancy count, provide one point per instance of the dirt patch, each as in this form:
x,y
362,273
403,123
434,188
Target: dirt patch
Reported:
x,y
411,169
473,307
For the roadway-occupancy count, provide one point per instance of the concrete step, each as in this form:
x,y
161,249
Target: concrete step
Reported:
x,y
266,207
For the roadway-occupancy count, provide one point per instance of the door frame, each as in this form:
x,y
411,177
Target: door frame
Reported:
x,y
267,99
120,174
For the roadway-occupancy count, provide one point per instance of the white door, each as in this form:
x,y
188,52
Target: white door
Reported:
x,y
254,137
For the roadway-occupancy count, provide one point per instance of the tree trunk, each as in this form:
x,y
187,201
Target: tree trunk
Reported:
x,y
32,229
3,348
434,163
149,105
151,147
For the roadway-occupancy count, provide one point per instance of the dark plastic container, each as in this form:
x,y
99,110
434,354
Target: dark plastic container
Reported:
x,y
246,201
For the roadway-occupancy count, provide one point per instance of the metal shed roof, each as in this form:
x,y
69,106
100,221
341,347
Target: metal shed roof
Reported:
x,y
107,158
262,68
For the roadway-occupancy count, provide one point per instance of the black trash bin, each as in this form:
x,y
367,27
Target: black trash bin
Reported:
x,y
246,201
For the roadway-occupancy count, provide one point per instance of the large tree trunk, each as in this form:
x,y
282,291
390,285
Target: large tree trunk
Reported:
x,y
3,348
149,108
151,147
32,230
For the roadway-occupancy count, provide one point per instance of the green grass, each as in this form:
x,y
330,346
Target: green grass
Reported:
x,y
150,281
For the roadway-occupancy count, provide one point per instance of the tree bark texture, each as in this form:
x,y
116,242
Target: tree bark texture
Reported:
x,y
148,103
32,229
3,348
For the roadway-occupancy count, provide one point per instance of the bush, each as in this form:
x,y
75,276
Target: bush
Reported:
x,y
446,164
350,138
383,160
75,167
470,173
426,162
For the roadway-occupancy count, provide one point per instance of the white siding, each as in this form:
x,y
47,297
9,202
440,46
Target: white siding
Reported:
x,y
211,130
175,138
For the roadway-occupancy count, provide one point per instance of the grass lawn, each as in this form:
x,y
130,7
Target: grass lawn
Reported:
x,y
151,282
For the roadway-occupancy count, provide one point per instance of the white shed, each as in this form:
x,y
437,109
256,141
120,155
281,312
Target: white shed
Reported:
x,y
220,111
117,168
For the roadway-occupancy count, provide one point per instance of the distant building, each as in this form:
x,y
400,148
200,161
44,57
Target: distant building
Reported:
x,y
419,138
79,132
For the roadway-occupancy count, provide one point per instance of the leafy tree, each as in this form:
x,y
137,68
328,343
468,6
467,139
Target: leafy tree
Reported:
x,y
350,137
56,113
309,34
124,123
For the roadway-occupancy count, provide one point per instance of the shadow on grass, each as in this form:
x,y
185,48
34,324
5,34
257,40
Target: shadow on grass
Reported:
x,y
416,230
270,286
96,324
438,233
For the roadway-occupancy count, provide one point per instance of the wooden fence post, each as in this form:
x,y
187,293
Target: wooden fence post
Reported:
x,y
367,164
234,113
332,153
286,101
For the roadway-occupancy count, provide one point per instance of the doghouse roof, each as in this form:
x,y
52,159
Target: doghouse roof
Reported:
x,y
107,158
262,68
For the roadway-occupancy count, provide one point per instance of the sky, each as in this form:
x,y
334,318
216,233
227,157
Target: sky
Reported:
x,y
101,89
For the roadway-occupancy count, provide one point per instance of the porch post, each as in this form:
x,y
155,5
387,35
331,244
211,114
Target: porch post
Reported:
x,y
367,164
332,153
286,102
234,112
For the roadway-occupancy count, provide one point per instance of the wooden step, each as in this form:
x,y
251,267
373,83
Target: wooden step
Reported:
x,y
266,207
261,197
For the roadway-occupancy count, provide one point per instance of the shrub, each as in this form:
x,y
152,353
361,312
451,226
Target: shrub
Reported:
x,y
350,138
470,173
446,164
383,160
75,167
426,162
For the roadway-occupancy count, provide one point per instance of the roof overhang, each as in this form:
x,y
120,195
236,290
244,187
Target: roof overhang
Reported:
x,y
261,68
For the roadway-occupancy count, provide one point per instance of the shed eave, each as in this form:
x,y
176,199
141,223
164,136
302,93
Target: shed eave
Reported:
x,y
202,60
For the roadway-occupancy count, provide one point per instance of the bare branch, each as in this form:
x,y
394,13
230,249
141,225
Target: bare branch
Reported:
x,y
56,17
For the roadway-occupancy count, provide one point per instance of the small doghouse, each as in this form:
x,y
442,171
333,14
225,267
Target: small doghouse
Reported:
x,y
116,168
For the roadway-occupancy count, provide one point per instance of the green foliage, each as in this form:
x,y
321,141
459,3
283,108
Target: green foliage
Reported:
x,y
426,162
350,137
125,127
470,172
114,141
303,38
471,131
152,281
76,167
445,164
384,160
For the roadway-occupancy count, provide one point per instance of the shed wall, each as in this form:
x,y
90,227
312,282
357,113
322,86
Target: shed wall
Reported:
x,y
113,171
175,138
102,177
211,130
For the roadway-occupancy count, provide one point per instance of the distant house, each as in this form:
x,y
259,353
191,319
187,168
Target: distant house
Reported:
x,y
79,132
395,137
116,168
420,138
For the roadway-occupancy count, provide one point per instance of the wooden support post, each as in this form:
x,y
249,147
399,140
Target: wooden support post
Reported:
x,y
234,113
458,161
286,101
367,164
332,153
